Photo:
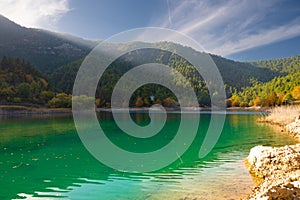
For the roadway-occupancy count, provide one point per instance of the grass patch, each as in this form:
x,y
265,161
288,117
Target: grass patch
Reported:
x,y
282,115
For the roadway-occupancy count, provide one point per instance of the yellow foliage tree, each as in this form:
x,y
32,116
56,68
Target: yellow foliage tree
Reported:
x,y
296,93
98,102
272,98
280,99
235,100
257,101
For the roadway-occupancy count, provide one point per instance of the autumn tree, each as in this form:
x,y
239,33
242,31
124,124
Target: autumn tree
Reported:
x,y
170,102
296,93
280,99
139,102
257,101
157,101
228,103
235,100
98,102
272,98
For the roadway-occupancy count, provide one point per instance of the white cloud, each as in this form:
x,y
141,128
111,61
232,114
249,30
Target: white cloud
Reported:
x,y
34,13
226,27
262,38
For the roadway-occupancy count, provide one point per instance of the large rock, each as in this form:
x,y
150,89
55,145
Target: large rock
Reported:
x,y
280,170
294,128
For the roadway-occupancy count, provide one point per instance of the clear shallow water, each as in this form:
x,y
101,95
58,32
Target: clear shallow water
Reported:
x,y
43,157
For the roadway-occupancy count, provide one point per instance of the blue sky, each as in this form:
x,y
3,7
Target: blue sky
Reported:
x,y
236,29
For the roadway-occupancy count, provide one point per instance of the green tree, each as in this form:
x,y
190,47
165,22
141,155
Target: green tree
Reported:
x,y
46,95
24,90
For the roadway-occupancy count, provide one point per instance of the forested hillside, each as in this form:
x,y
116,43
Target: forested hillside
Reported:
x,y
23,84
283,65
57,57
20,83
280,90
236,75
44,49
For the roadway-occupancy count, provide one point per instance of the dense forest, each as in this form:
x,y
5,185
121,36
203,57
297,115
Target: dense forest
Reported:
x,y
22,83
262,83
280,90
55,59
236,75
282,65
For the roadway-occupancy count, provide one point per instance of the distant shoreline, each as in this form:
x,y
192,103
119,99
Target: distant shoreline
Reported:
x,y
24,110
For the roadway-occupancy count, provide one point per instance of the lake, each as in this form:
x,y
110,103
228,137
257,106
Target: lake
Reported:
x,y
43,157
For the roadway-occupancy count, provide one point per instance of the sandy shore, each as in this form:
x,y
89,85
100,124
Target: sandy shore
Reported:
x,y
278,169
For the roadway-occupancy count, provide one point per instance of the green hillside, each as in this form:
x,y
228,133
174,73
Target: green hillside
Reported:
x,y
280,90
20,83
236,75
59,56
282,65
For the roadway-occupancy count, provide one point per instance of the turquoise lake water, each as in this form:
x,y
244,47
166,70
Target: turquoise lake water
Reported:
x,y
42,157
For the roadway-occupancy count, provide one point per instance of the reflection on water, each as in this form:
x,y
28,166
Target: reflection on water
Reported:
x,y
44,157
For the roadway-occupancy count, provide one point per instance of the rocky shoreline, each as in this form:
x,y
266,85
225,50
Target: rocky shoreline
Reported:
x,y
277,168
294,128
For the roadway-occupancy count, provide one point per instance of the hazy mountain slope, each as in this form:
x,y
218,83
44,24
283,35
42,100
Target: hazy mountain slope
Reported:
x,y
44,49
235,74
58,56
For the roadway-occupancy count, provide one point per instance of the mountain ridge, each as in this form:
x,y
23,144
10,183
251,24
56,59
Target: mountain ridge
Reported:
x,y
58,57
45,49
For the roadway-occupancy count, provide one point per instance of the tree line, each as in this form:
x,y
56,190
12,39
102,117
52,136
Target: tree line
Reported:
x,y
262,83
278,91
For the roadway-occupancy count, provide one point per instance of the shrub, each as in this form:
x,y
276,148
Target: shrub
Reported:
x,y
24,90
61,100
16,100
